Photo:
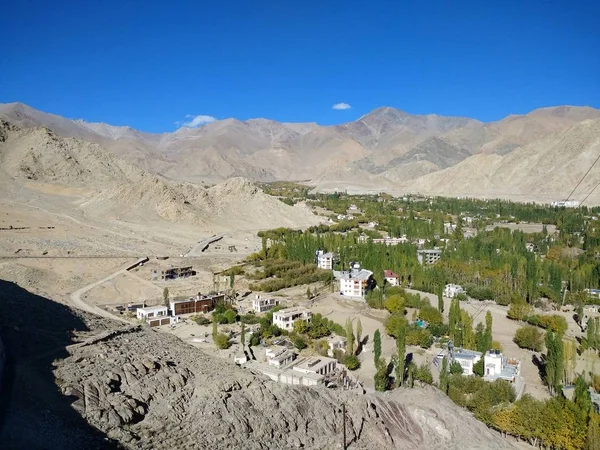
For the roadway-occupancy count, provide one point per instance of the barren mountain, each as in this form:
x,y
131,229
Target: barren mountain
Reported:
x,y
382,150
113,186
544,170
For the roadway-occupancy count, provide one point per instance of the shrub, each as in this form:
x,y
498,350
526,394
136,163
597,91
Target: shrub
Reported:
x,y
300,343
249,319
478,368
254,340
518,310
529,337
393,323
201,320
503,300
395,304
230,315
351,362
554,322
419,336
222,341
423,374
456,368
431,314
438,330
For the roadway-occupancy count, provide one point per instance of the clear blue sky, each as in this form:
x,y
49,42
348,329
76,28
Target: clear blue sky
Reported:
x,y
150,64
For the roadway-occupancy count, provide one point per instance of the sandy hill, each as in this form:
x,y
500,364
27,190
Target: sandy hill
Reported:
x,y
544,170
113,186
385,149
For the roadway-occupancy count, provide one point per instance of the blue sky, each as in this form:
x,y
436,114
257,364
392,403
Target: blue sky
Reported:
x,y
154,63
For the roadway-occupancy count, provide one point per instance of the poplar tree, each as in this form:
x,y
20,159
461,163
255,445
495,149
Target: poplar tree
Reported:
x,y
349,337
444,376
440,301
401,348
377,347
243,335
358,331
454,318
554,361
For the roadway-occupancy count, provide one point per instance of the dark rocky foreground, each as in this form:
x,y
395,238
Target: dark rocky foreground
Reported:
x,y
143,389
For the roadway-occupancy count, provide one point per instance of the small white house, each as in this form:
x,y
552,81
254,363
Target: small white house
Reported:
x,y
285,318
151,312
261,305
391,277
336,343
467,359
496,365
452,290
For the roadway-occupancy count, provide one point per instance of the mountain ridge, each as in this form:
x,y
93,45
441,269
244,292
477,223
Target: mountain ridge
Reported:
x,y
386,148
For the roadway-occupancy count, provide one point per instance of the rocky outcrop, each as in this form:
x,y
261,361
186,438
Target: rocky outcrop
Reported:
x,y
150,390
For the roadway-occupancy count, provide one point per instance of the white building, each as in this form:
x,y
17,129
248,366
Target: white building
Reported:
x,y
372,224
430,256
318,365
336,343
261,305
449,227
566,204
452,290
467,359
278,356
391,277
285,318
324,260
391,241
468,220
151,312
354,282
496,365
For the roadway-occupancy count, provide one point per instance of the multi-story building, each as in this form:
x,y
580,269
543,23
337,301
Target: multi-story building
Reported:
x,y
261,305
429,256
389,241
279,356
285,318
324,260
355,282
496,365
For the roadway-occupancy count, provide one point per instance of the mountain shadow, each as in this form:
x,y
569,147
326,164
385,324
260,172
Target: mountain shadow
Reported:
x,y
33,412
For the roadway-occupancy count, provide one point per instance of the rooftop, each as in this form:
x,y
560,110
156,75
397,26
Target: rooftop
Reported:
x,y
314,364
461,353
291,311
389,274
149,309
360,275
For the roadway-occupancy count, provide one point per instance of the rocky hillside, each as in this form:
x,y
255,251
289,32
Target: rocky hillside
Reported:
x,y
111,185
386,149
146,389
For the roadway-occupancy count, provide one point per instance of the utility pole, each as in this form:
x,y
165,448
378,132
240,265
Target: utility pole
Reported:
x,y
344,425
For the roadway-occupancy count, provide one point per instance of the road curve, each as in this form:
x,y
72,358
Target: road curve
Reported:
x,y
80,304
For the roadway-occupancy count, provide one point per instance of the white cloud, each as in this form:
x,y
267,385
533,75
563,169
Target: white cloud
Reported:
x,y
196,121
341,106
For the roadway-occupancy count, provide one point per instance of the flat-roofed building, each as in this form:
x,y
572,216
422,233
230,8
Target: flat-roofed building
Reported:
x,y
150,312
336,343
467,359
319,365
261,305
355,282
324,260
278,356
285,318
429,256
496,365
195,305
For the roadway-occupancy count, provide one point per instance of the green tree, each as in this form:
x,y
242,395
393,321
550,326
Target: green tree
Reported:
x,y
382,376
529,337
301,327
349,337
308,293
395,304
488,337
377,346
393,322
401,349
468,337
351,362
444,376
300,343
454,318
554,361
243,335
166,297
591,334
214,328
581,396
478,367
440,301
358,331
431,315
